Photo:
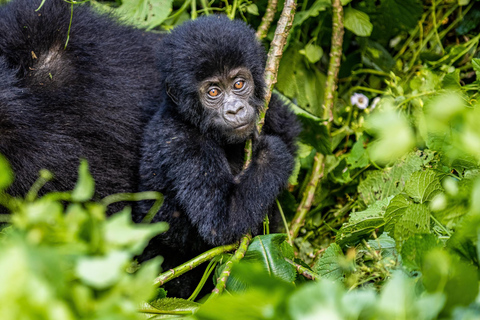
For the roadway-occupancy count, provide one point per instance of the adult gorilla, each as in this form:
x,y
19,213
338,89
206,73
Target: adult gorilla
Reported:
x,y
88,100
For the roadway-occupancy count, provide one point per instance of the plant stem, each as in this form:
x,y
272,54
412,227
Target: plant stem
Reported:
x,y
335,59
304,271
236,257
267,19
308,196
332,78
195,262
275,53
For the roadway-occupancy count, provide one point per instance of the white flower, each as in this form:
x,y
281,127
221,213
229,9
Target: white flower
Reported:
x,y
359,100
374,103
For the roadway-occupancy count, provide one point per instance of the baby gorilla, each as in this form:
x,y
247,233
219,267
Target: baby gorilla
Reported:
x,y
212,72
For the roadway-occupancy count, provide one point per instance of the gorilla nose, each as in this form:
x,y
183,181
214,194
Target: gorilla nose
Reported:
x,y
235,109
235,113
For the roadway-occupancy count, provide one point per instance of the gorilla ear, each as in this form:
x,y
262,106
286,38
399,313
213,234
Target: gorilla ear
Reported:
x,y
171,93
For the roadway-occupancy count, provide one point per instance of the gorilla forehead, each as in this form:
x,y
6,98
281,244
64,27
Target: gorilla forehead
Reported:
x,y
210,46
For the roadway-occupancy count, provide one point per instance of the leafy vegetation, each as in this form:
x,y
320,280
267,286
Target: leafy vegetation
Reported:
x,y
392,229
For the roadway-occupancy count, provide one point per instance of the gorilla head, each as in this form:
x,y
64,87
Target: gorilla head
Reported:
x,y
212,69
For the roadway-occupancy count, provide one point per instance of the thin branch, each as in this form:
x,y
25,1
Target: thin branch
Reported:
x,y
308,196
332,78
335,59
237,256
275,53
195,262
304,271
267,19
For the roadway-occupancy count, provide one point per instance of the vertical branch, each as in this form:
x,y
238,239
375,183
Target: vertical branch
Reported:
x,y
267,19
318,163
335,59
308,196
284,25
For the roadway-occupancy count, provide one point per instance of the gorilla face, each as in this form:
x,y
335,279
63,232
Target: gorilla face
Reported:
x,y
227,98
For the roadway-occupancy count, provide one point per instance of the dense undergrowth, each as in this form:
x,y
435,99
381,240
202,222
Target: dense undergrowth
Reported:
x,y
393,229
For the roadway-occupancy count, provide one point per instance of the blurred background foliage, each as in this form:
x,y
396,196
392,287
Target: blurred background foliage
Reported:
x,y
394,229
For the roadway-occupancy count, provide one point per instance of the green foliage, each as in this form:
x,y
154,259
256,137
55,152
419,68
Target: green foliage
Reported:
x,y
61,258
394,229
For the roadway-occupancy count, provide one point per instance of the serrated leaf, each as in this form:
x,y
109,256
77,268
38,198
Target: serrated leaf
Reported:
x,y
391,181
358,157
415,220
358,22
415,249
329,265
395,210
85,187
423,186
362,224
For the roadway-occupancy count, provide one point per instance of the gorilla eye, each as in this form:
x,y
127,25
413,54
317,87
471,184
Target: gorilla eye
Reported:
x,y
239,84
213,92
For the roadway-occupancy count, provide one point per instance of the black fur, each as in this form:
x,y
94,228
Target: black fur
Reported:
x,y
89,100
207,202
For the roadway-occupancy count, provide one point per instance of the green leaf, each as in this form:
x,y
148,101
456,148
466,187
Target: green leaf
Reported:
x,y
358,22
102,272
268,250
391,181
415,220
252,9
423,186
447,274
313,11
313,52
399,296
6,173
297,81
121,232
362,224
315,134
476,67
169,304
395,136
415,249
329,266
358,157
395,210
85,186
145,13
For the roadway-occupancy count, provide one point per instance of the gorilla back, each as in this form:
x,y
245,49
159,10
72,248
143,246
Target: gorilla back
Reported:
x,y
60,104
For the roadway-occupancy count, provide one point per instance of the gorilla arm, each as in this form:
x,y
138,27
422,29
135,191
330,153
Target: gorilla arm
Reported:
x,y
220,205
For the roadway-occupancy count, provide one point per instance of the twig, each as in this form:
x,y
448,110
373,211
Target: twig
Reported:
x,y
195,262
335,59
267,19
318,165
237,256
304,271
308,196
271,69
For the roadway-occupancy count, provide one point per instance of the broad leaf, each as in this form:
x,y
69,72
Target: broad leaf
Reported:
x,y
358,22
329,266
